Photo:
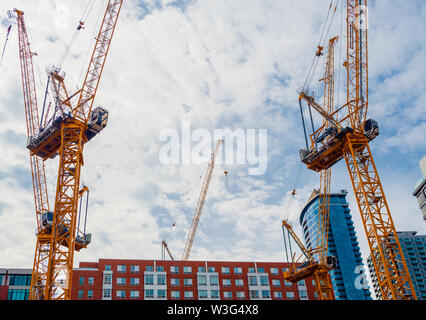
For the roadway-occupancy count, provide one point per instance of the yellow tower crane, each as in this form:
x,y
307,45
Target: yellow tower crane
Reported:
x,y
347,135
72,125
164,249
318,263
200,203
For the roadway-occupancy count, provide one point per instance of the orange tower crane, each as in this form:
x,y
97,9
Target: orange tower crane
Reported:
x,y
33,128
348,136
200,203
69,129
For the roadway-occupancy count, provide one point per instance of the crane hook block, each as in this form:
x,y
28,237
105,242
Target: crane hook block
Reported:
x,y
80,25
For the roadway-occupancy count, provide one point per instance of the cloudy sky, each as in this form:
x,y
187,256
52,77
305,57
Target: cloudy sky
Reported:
x,y
222,64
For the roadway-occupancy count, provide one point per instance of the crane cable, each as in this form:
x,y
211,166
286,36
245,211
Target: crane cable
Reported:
x,y
82,21
5,43
87,11
324,34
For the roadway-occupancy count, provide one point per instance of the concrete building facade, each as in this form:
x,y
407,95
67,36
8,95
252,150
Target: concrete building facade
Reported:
x,y
112,279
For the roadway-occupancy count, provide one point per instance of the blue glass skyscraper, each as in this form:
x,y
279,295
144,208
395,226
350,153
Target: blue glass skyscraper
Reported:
x,y
347,279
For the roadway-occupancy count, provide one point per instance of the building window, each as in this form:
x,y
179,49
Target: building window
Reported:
x,y
263,281
212,269
215,294
80,294
214,281
303,294
149,268
174,282
89,294
20,280
252,280
261,270
226,282
274,271
278,295
241,295
134,281
201,269
288,283
149,279
174,269
121,294
18,294
134,294
160,269
107,267
134,269
227,294
107,293
202,294
251,270
225,270
266,294
276,283
187,270
107,279
202,280
175,295
149,293
161,294
238,270
239,282
161,280
187,282
189,295
290,295
121,268
301,283
121,281
254,294
91,281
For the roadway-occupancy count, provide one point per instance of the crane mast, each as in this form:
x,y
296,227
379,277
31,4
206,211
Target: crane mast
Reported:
x,y
348,137
33,128
200,203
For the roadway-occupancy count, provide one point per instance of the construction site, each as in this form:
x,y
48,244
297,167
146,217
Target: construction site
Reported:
x,y
210,150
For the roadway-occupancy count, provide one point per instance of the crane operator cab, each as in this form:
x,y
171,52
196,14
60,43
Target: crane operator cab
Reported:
x,y
81,240
331,262
371,129
97,122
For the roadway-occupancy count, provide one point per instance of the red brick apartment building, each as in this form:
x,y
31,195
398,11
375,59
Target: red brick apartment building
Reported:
x,y
113,279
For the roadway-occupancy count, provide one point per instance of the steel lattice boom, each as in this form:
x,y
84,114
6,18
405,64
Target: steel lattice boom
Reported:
x,y
200,203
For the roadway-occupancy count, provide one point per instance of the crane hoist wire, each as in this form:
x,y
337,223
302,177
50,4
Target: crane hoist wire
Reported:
x,y
80,26
87,11
5,43
93,38
324,34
